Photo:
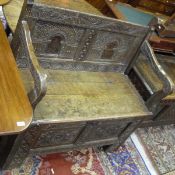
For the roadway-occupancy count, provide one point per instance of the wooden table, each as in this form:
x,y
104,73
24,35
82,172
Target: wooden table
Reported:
x,y
2,2
12,10
15,109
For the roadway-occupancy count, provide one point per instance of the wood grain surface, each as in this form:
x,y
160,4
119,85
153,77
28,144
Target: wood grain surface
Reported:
x,y
2,2
84,96
15,109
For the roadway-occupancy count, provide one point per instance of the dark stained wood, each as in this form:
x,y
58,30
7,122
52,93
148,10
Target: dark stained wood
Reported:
x,y
16,111
157,6
168,28
166,45
85,57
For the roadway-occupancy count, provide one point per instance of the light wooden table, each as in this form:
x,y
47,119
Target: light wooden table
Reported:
x,y
15,110
3,2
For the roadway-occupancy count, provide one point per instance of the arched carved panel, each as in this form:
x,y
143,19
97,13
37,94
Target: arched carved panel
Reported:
x,y
45,33
55,45
110,47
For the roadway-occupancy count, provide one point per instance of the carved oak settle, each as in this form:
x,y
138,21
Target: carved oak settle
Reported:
x,y
87,98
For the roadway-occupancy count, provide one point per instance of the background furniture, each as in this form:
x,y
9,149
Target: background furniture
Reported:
x,y
126,12
155,6
164,45
166,7
165,28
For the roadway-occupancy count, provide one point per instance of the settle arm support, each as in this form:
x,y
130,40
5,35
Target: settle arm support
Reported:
x,y
168,84
39,90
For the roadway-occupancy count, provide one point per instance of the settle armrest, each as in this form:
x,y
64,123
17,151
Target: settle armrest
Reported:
x,y
39,90
168,84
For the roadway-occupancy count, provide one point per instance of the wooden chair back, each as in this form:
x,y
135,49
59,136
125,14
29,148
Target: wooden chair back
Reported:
x,y
70,39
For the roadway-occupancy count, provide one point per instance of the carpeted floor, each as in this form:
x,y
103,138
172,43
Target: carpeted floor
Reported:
x,y
125,160
159,143
149,151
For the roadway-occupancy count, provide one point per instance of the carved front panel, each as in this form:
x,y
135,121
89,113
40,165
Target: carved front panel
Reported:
x,y
95,131
56,135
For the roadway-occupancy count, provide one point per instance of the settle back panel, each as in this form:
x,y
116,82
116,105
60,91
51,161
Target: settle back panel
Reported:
x,y
67,36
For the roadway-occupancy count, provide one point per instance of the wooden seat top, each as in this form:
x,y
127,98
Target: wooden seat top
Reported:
x,y
12,10
15,109
84,96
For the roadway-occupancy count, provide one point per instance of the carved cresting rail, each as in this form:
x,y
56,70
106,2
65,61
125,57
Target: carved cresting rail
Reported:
x,y
91,40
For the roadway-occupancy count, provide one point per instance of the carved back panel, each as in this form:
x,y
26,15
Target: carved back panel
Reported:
x,y
77,40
